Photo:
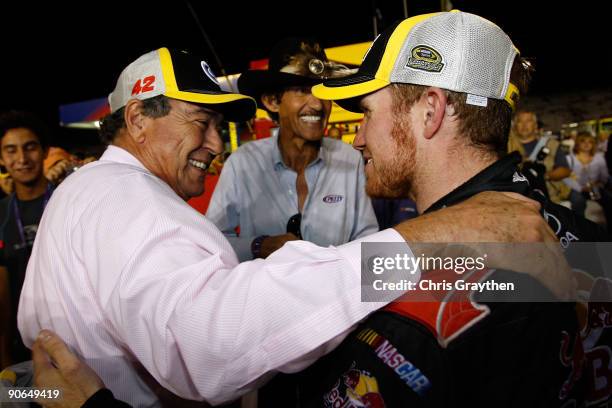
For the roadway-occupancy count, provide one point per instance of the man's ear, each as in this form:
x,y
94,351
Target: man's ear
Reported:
x,y
435,108
135,120
271,102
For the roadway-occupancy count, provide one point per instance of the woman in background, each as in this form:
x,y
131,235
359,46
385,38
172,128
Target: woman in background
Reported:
x,y
589,173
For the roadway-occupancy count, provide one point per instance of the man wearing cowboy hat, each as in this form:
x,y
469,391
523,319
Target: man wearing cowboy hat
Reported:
x,y
295,184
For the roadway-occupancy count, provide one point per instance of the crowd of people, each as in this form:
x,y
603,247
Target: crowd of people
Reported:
x,y
574,173
121,294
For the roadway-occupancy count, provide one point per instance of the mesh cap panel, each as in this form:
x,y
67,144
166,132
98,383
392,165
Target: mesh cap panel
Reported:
x,y
475,56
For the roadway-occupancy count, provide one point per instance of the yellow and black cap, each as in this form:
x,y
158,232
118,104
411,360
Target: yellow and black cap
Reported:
x,y
178,75
456,51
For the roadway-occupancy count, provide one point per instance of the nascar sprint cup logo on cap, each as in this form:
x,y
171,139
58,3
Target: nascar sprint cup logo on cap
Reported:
x,y
425,58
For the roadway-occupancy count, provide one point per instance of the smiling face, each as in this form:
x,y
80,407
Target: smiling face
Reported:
x,y
526,125
388,145
181,146
22,155
302,115
585,144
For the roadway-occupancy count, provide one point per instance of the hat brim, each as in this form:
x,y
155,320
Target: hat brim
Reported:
x,y
255,83
347,92
234,107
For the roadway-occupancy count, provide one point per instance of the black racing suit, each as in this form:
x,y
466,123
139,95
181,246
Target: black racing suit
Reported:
x,y
513,355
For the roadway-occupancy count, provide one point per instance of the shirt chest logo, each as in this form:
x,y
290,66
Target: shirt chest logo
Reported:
x,y
332,198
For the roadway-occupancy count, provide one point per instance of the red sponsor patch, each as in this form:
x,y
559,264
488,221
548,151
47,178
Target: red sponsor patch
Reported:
x,y
446,313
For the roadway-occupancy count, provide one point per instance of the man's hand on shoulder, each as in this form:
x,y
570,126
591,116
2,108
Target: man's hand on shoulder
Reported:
x,y
485,217
493,217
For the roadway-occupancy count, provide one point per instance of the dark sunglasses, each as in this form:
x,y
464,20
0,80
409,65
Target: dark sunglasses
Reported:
x,y
294,225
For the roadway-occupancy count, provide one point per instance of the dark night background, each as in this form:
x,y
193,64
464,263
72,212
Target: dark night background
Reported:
x,y
59,53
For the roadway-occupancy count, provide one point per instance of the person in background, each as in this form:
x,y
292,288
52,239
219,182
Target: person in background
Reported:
x,y
542,156
334,132
57,166
603,137
589,175
296,184
23,147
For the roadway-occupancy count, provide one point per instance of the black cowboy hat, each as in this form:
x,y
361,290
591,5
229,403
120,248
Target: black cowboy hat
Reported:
x,y
293,62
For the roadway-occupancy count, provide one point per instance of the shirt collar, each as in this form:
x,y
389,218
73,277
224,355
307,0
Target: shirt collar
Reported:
x,y
278,158
120,155
502,175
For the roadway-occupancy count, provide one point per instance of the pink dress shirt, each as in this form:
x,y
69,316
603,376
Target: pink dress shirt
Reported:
x,y
132,277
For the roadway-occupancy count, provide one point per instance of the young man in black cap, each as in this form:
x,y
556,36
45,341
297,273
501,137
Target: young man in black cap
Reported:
x,y
296,184
438,91
22,151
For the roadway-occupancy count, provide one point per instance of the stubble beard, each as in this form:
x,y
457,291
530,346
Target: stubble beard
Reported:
x,y
393,178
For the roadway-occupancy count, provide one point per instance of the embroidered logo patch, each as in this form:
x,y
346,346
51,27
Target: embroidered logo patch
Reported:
x,y
425,58
355,389
332,198
518,177
401,366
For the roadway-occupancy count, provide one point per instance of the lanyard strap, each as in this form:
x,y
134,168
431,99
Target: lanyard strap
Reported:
x,y
17,213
